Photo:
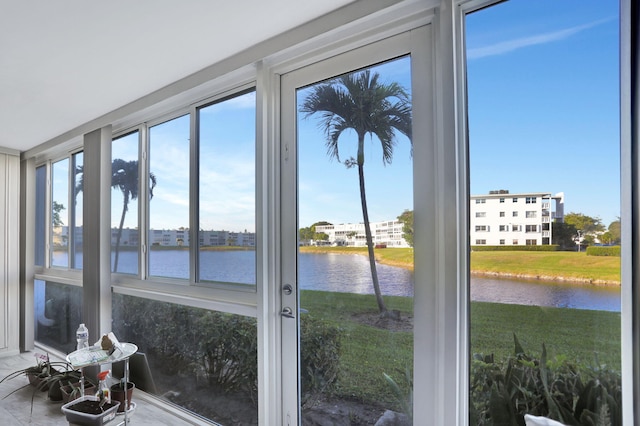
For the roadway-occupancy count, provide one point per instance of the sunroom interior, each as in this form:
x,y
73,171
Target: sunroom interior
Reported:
x,y
84,84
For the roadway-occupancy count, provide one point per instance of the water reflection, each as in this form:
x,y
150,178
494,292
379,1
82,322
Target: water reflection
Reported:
x,y
541,293
350,273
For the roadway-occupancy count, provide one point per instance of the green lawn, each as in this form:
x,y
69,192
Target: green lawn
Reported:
x,y
367,352
570,265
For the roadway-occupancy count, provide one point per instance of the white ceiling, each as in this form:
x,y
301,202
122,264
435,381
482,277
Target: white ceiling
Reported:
x,y
66,62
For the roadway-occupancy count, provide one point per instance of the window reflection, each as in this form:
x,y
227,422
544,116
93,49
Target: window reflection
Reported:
x,y
58,311
60,214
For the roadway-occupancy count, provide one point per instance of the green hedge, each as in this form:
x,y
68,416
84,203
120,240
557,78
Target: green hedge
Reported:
x,y
547,247
603,251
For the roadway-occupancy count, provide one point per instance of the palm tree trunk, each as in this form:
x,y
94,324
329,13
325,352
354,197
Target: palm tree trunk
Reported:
x,y
124,212
367,230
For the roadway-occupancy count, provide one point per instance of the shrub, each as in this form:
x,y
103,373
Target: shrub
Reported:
x,y
218,346
502,393
603,251
546,247
320,342
228,350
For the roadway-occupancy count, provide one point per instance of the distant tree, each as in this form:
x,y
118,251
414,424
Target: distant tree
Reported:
x,y
320,236
586,224
615,231
563,235
124,176
587,240
360,102
407,229
309,233
57,209
305,234
606,238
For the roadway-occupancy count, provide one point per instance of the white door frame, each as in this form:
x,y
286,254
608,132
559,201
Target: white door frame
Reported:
x,y
436,253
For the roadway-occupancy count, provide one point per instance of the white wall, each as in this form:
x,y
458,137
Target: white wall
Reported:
x,y
9,257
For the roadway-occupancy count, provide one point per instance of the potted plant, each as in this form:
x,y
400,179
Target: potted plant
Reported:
x,y
71,391
118,392
54,382
90,411
37,374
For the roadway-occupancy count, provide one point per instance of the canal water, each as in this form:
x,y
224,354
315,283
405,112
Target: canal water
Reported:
x,y
351,274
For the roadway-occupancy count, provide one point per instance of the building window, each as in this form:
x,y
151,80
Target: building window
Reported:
x,y
531,214
516,228
530,200
481,242
531,228
504,228
532,242
515,242
480,201
501,242
514,214
501,214
481,214
502,200
482,228
515,199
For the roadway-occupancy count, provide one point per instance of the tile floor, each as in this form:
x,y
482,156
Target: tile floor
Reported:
x,y
15,408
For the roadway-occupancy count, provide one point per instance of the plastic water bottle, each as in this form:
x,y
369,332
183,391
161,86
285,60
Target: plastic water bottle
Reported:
x,y
82,336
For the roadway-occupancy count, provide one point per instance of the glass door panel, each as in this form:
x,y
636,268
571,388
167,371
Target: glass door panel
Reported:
x,y
354,257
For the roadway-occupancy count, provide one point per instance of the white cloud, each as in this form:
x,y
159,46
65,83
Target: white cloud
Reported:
x,y
519,43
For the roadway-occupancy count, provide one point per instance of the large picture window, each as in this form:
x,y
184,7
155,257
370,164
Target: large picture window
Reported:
x,y
539,346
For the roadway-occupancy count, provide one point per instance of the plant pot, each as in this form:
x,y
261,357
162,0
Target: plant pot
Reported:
x,y
117,395
86,411
35,380
72,392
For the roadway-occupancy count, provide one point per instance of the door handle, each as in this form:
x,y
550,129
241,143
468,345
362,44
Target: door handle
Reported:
x,y
287,312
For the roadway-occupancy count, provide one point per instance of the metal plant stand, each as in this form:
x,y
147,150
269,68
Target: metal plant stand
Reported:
x,y
92,356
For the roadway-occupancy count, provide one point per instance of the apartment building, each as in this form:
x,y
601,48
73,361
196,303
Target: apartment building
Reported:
x,y
500,218
387,233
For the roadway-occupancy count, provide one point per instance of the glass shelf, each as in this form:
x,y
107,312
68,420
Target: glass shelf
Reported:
x,y
95,355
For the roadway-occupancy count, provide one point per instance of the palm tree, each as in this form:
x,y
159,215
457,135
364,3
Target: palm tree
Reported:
x,y
124,175
358,101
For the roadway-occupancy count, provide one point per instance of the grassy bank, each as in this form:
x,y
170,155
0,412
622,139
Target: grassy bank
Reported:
x,y
571,266
368,351
568,265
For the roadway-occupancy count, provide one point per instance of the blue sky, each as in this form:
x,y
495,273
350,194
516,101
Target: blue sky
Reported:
x,y
543,117
543,101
